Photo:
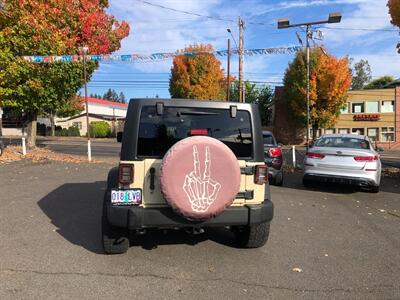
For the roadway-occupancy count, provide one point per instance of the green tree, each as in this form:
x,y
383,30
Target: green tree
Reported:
x,y
95,96
330,79
361,75
379,82
261,95
112,95
52,27
121,98
197,76
108,95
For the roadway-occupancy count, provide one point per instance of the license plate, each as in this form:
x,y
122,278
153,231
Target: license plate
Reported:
x,y
126,197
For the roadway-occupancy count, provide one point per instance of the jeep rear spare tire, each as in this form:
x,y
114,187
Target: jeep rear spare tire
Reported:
x,y
200,177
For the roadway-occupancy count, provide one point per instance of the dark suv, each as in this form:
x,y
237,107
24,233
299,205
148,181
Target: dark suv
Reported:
x,y
188,164
273,158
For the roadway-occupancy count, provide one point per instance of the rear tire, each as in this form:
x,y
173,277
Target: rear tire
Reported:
x,y
278,180
374,189
252,236
307,182
115,239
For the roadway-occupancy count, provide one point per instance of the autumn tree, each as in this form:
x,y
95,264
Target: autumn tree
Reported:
x,y
361,74
394,11
260,95
330,79
51,27
379,83
197,76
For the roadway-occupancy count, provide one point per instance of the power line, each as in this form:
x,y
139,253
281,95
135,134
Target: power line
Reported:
x,y
185,12
358,29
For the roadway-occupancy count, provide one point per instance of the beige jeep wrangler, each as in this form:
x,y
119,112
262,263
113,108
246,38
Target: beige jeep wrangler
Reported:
x,y
188,164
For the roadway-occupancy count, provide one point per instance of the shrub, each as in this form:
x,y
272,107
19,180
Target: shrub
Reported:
x,y
41,129
71,131
100,129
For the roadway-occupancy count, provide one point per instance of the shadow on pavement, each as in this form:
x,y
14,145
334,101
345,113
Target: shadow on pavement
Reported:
x,y
154,238
294,181
76,208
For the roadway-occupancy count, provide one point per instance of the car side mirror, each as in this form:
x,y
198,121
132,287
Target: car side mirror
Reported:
x,y
280,145
119,136
311,144
379,149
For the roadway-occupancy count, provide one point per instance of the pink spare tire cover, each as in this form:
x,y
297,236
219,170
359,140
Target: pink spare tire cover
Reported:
x,y
200,177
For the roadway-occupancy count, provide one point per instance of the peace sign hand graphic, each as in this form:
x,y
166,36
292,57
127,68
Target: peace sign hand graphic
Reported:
x,y
201,190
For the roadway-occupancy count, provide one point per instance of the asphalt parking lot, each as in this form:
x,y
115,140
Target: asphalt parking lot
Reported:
x,y
345,243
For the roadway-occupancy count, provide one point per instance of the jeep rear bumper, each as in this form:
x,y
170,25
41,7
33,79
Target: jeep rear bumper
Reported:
x,y
136,217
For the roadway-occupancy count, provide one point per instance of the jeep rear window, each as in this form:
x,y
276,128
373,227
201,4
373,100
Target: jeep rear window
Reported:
x,y
158,133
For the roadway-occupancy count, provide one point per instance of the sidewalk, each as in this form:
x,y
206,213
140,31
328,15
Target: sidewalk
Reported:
x,y
17,139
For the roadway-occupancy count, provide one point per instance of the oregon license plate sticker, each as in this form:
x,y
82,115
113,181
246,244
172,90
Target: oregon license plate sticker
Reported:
x,y
126,197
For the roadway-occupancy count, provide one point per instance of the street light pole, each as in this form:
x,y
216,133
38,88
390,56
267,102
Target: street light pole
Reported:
x,y
308,33
284,23
89,148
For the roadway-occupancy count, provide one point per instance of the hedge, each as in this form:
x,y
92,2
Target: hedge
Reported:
x,y
100,129
71,131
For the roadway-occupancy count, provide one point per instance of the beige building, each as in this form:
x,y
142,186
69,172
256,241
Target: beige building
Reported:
x,y
113,113
375,113
371,113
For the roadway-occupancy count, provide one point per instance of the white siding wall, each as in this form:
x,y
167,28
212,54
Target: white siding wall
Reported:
x,y
106,110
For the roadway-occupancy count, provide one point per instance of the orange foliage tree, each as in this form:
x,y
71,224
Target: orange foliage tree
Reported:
x,y
50,27
197,76
394,11
330,79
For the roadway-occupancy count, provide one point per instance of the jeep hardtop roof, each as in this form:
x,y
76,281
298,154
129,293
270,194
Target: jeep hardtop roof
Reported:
x,y
129,149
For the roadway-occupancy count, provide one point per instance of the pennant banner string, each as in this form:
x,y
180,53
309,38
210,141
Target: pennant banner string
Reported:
x,y
156,56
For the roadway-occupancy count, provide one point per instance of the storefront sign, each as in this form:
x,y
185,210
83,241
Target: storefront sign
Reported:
x,y
366,117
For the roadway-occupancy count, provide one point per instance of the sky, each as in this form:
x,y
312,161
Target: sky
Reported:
x,y
365,32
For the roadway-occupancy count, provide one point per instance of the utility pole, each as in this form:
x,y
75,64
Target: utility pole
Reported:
x,y
89,148
241,87
228,71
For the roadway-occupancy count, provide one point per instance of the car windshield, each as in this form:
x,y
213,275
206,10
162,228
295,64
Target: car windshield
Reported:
x,y
342,142
158,133
268,139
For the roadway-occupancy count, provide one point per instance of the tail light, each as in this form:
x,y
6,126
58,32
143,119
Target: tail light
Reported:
x,y
275,152
261,175
198,131
315,155
366,158
126,173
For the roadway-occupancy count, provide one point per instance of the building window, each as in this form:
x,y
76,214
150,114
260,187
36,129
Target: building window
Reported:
x,y
387,106
387,134
357,108
372,106
345,110
330,131
359,131
372,134
77,124
343,130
